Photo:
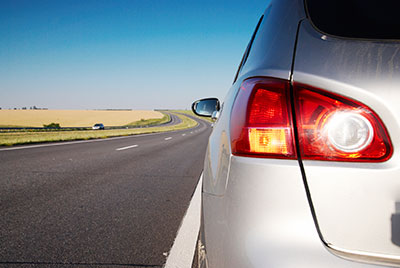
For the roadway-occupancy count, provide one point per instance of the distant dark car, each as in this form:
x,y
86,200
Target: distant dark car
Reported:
x,y
303,163
98,126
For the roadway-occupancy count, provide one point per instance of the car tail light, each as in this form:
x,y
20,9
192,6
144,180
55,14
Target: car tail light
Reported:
x,y
330,127
261,119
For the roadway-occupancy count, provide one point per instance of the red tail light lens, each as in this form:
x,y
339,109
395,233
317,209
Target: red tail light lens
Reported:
x,y
261,119
332,127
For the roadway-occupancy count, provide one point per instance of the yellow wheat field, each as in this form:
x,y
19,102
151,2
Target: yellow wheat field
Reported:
x,y
72,118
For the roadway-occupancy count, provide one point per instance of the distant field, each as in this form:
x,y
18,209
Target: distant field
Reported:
x,y
73,118
13,138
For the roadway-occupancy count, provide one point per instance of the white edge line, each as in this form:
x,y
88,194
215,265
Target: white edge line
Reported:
x,y
168,138
127,147
182,251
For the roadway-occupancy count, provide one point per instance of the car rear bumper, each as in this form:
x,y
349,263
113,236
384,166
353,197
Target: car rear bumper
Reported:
x,y
264,219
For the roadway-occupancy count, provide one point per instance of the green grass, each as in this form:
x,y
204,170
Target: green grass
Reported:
x,y
150,122
14,138
190,112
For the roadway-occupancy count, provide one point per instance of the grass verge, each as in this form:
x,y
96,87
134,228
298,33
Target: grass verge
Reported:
x,y
14,138
190,112
150,122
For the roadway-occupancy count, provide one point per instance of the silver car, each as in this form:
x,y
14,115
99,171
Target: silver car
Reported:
x,y
302,167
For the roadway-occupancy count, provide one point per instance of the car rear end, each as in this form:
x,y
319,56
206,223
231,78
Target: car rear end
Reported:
x,y
302,168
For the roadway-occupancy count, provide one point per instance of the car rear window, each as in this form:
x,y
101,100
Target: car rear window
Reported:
x,y
356,18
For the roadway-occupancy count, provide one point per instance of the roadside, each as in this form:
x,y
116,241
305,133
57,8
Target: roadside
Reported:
x,y
114,202
189,112
28,137
166,119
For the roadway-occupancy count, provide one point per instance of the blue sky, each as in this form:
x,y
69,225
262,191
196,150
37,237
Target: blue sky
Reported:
x,y
136,54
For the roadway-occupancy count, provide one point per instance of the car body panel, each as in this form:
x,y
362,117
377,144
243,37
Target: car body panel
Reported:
x,y
280,34
354,202
260,212
216,165
271,225
274,62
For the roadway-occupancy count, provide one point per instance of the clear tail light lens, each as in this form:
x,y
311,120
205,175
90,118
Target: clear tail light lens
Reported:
x,y
261,119
330,127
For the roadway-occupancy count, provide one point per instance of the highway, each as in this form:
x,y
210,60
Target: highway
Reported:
x,y
174,121
108,203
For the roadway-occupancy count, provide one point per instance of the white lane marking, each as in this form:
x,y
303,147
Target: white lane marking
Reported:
x,y
183,249
84,141
168,138
183,134
191,132
127,147
76,142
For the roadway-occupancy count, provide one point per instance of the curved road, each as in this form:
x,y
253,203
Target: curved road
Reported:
x,y
109,203
174,120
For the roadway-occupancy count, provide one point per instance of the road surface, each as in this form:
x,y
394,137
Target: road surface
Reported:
x,y
107,203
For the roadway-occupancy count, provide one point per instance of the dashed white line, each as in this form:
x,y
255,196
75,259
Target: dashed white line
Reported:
x,y
127,147
168,138
79,141
191,132
183,134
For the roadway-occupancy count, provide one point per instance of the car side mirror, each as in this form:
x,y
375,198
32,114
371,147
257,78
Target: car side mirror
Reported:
x,y
206,107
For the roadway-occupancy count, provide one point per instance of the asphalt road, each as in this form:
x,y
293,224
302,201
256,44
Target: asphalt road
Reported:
x,y
174,120
107,203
